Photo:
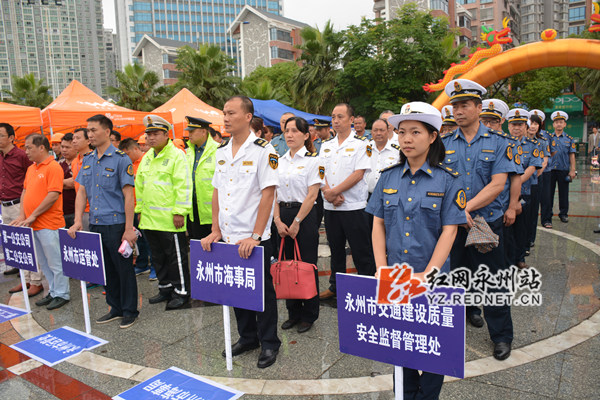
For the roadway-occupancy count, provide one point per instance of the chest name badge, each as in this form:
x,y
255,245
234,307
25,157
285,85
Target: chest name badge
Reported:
x,y
435,194
221,162
109,169
86,166
327,150
349,149
246,163
487,151
450,151
390,191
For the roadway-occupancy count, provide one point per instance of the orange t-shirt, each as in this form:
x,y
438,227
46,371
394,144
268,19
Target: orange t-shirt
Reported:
x,y
75,167
135,168
40,180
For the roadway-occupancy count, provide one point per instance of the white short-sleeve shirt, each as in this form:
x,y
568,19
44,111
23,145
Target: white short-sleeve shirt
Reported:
x,y
341,160
240,181
297,174
389,155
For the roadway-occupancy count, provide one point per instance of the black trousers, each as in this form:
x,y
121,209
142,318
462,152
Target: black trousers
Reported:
x,y
498,318
510,245
194,228
424,386
532,216
121,286
546,196
354,227
261,327
170,252
308,242
143,259
521,229
559,176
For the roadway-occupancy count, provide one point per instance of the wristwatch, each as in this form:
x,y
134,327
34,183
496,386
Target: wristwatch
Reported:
x,y
256,236
297,219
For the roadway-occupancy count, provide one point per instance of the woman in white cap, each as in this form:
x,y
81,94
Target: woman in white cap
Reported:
x,y
417,206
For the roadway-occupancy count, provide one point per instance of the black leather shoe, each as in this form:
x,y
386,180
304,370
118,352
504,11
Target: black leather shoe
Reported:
x,y
239,348
289,324
563,218
11,271
475,320
177,302
501,351
304,327
267,358
597,231
160,297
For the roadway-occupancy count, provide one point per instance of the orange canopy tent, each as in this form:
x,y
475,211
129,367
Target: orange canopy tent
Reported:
x,y
183,104
22,118
77,103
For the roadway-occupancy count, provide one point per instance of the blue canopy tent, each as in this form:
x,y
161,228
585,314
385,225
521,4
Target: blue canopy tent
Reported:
x,y
272,110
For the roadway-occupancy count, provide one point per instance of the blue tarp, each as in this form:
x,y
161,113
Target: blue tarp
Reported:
x,y
272,110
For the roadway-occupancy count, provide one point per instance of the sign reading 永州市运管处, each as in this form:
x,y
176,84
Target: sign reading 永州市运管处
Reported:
x,y
19,247
82,257
221,276
416,335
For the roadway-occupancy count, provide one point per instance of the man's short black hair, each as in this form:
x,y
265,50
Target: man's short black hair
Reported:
x,y
247,104
128,143
214,133
103,120
39,140
116,134
349,108
67,138
10,131
85,132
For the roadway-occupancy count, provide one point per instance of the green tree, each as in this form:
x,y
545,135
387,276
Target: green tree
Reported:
x,y
314,84
206,72
138,88
28,91
280,78
386,63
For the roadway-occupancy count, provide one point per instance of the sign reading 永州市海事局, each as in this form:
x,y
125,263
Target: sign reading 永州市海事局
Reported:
x,y
221,276
19,247
82,257
416,335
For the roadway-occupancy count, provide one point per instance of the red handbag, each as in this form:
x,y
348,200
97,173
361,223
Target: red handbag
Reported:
x,y
293,279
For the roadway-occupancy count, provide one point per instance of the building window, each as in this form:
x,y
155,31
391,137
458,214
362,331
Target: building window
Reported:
x,y
439,5
281,35
576,30
464,22
283,54
486,13
141,6
577,13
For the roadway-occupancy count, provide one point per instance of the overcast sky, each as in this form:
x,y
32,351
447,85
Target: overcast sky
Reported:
x,y
313,12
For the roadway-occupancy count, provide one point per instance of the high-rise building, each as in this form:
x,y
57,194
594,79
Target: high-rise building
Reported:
x,y
190,21
567,17
491,13
58,41
113,57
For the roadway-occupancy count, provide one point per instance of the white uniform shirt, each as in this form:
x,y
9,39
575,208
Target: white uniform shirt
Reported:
x,y
297,174
341,160
240,181
394,139
389,155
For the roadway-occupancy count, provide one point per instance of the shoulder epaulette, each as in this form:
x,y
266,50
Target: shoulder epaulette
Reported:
x,y
391,166
360,137
570,137
309,154
327,140
449,170
394,145
120,152
88,153
490,130
223,143
531,140
261,142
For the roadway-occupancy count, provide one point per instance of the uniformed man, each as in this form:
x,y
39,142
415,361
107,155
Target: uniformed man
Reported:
x,y
563,165
530,161
163,193
384,153
360,127
448,122
201,161
545,191
484,160
393,136
346,160
322,130
278,141
106,180
244,190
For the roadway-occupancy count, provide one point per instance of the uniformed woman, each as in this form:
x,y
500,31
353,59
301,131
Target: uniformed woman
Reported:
x,y
535,132
300,178
417,206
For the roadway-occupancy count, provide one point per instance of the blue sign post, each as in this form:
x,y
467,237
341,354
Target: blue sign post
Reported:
x,y
19,252
174,384
221,276
58,345
417,335
82,259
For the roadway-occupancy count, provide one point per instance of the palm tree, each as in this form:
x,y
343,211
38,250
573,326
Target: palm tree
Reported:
x,y
207,72
314,88
137,88
28,91
264,90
